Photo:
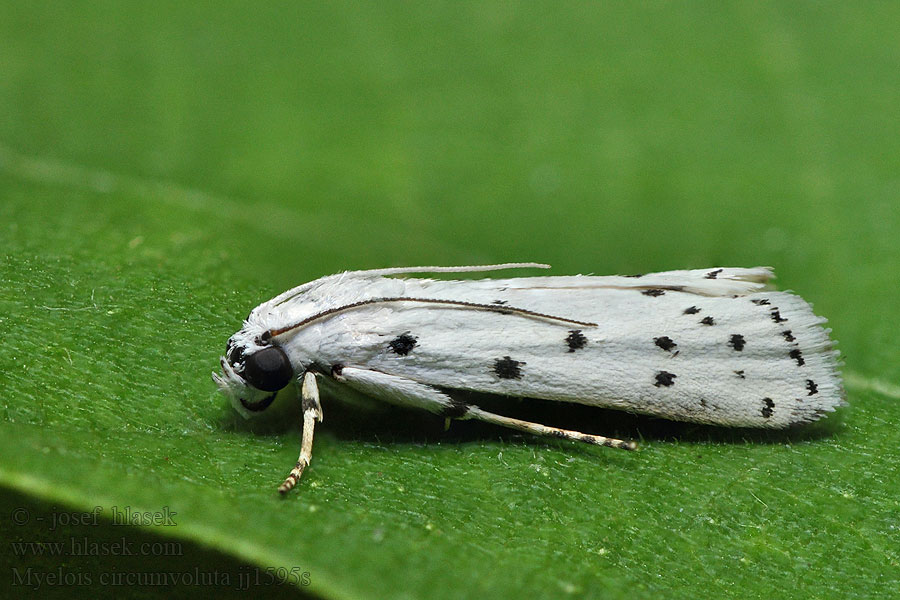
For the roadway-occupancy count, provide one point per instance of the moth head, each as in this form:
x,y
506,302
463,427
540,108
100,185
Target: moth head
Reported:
x,y
253,371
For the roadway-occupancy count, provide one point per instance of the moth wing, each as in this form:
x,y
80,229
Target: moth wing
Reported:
x,y
681,345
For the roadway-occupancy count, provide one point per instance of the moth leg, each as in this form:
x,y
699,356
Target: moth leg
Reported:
x,y
312,412
399,390
538,429
405,392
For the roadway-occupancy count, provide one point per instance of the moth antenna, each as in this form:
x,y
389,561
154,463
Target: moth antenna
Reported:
x,y
471,305
459,269
293,293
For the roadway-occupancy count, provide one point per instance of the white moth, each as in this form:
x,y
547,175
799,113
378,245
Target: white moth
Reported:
x,y
709,346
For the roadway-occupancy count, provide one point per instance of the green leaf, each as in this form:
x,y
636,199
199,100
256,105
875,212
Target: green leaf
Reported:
x,y
165,168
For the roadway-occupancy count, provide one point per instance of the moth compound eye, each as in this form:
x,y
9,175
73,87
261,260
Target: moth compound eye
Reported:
x,y
268,370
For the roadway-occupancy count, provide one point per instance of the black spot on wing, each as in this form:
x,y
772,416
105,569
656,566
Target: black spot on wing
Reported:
x,y
812,387
737,342
576,340
507,368
760,301
636,275
499,302
665,342
788,336
402,344
740,374
654,292
776,316
693,310
714,274
664,378
798,356
708,321
767,408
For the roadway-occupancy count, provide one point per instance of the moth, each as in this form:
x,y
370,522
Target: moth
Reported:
x,y
715,346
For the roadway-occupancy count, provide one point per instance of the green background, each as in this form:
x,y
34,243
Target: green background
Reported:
x,y
165,167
